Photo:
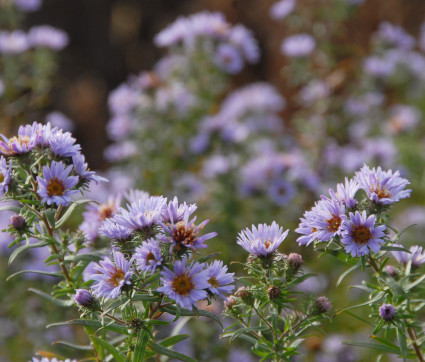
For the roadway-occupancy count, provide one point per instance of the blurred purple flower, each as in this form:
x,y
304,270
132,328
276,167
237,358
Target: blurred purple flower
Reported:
x,y
281,9
298,46
46,36
14,42
228,58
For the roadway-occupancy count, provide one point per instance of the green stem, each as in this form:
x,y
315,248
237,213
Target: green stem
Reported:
x,y
413,337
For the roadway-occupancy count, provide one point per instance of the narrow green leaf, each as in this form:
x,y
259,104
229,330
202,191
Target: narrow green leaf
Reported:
x,y
196,313
246,330
395,248
403,343
69,211
300,279
59,302
376,347
359,318
22,248
171,341
10,208
115,327
208,257
415,283
111,349
50,274
169,352
142,341
348,271
373,300
75,346
83,257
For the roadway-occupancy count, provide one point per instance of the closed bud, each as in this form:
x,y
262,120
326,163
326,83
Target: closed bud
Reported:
x,y
18,222
295,261
387,311
230,302
245,294
273,292
83,297
391,271
322,305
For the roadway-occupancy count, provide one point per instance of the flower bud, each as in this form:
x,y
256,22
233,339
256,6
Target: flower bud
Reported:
x,y
391,271
83,297
295,261
323,305
245,294
387,311
18,222
273,292
230,302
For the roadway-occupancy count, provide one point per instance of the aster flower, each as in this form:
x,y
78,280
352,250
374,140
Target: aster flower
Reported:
x,y
45,359
387,311
228,58
55,186
112,276
346,192
28,5
16,145
359,234
281,192
148,256
185,284
307,229
83,297
5,175
114,231
219,279
142,214
14,42
59,120
298,46
382,187
281,9
243,39
175,212
63,144
401,256
184,233
133,195
416,256
82,170
46,36
262,241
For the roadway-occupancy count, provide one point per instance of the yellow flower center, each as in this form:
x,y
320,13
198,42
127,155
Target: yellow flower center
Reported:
x,y
1,177
55,187
361,234
381,193
267,243
22,140
182,284
213,282
334,223
184,235
116,278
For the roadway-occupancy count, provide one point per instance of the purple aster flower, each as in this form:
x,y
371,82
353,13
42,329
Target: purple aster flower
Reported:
x,y
142,214
346,193
46,36
314,91
401,256
307,229
63,144
243,39
219,279
55,186
281,9
395,36
28,5
148,256
298,46
228,58
123,99
262,241
183,233
175,212
133,195
416,256
402,118
120,126
121,151
5,175
329,215
16,145
382,187
39,133
281,192
45,359
387,311
359,234
113,230
378,67
14,42
89,271
59,120
82,170
112,276
215,165
185,284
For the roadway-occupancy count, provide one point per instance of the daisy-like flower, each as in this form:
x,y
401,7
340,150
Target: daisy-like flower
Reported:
x,y
175,211
63,144
346,192
16,145
185,284
148,256
113,230
184,233
382,187
82,170
262,241
112,276
359,234
228,58
416,255
219,279
55,186
307,229
5,175
142,214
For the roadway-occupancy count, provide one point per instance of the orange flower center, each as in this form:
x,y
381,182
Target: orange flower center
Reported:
x,y
361,234
334,223
184,235
22,140
106,210
55,187
214,282
381,193
150,257
267,243
116,278
1,177
182,284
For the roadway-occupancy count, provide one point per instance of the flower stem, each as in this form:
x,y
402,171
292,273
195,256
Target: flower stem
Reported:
x,y
412,335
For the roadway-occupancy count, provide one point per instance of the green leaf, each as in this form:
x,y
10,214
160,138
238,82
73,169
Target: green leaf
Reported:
x,y
59,302
10,208
22,248
142,341
395,248
415,283
83,257
171,341
169,352
371,301
75,346
376,347
348,271
196,313
359,318
69,211
246,330
50,274
403,343
208,257
111,349
115,327
300,279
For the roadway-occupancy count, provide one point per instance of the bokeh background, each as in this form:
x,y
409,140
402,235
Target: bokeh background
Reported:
x,y
340,111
